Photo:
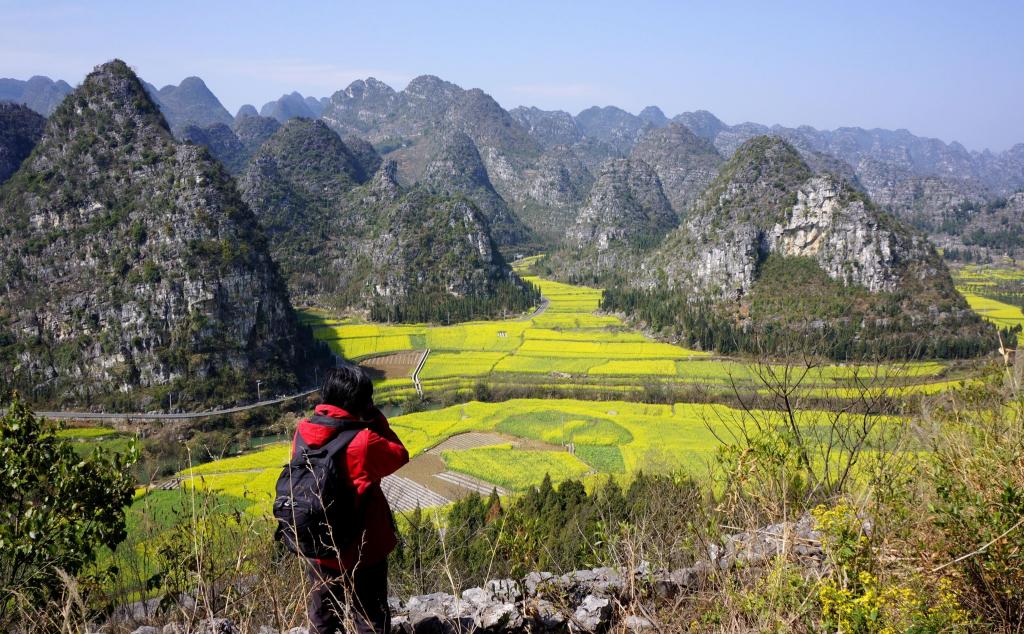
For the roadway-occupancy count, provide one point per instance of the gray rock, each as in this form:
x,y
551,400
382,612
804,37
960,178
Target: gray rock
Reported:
x,y
174,628
634,623
266,629
537,582
669,584
146,629
217,626
477,596
592,615
545,614
505,590
298,630
498,617
400,624
440,612
599,581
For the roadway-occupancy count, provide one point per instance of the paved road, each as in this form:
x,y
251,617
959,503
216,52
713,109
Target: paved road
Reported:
x,y
544,302
416,373
141,416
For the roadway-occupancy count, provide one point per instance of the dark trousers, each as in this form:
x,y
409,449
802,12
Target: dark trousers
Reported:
x,y
341,601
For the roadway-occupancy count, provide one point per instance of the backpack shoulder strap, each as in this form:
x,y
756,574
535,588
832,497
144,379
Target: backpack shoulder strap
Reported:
x,y
341,441
328,421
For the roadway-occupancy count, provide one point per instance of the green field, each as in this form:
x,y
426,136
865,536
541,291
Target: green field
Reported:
x,y
567,346
608,437
995,292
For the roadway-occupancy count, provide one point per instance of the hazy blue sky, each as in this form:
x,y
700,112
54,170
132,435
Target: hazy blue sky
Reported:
x,y
954,70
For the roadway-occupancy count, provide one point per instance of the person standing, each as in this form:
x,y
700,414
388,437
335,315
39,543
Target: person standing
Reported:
x,y
350,585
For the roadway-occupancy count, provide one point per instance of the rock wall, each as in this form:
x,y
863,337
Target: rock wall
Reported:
x,y
581,601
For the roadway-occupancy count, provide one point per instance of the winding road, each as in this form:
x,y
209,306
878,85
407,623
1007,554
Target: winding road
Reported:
x,y
143,416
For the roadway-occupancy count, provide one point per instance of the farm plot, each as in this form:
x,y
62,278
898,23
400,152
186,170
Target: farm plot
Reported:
x,y
996,292
514,444
515,469
567,344
999,313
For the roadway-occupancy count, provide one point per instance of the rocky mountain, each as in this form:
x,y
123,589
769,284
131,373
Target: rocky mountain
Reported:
x,y
778,247
349,242
233,146
363,108
292,106
247,110
685,163
766,199
365,155
985,232
458,170
553,192
412,127
654,116
541,163
613,126
550,128
626,207
919,180
133,268
20,130
189,103
41,94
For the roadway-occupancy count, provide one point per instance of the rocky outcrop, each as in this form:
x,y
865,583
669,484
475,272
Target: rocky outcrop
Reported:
x,y
133,266
850,241
626,207
39,93
20,130
189,103
766,201
685,163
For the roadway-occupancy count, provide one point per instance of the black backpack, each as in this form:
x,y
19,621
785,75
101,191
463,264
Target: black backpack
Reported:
x,y
315,504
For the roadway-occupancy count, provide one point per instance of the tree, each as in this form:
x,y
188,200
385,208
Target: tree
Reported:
x,y
56,507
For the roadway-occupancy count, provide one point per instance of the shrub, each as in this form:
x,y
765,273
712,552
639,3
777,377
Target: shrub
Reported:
x,y
57,509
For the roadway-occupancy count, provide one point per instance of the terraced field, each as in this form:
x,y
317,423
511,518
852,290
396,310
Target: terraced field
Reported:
x,y
566,347
994,292
512,445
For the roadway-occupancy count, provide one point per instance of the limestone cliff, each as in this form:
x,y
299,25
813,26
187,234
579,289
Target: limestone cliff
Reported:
x,y
132,267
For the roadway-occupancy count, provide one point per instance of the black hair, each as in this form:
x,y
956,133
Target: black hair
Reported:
x,y
347,387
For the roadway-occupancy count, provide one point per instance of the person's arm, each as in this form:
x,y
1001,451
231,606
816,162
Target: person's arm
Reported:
x,y
379,453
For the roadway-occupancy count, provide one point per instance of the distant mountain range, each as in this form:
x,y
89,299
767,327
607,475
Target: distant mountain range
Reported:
x,y
154,238
543,162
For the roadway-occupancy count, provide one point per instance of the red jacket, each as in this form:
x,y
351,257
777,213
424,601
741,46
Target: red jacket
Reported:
x,y
374,453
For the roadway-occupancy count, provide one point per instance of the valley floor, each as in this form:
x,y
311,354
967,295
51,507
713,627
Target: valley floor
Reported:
x,y
512,445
